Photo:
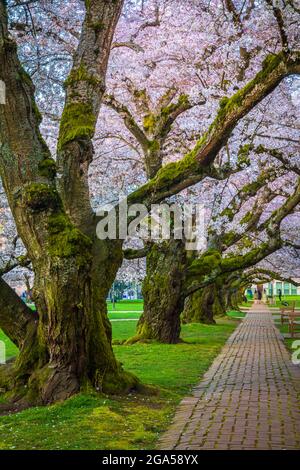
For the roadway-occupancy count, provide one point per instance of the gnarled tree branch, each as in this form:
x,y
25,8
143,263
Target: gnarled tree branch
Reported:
x,y
175,177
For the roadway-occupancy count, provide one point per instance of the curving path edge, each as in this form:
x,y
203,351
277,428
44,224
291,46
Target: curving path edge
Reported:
x,y
248,399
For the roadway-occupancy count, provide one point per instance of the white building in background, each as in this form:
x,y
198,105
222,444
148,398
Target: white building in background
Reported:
x,y
273,288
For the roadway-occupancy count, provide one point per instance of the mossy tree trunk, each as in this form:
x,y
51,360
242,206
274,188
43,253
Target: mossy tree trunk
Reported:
x,y
219,304
199,307
205,304
163,293
73,344
233,298
67,345
196,165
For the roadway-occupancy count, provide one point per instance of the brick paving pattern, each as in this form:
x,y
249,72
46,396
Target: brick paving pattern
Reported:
x,y
248,399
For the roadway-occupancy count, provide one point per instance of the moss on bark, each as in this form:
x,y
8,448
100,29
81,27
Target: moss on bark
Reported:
x,y
40,197
163,292
228,105
77,122
81,74
47,168
199,307
65,240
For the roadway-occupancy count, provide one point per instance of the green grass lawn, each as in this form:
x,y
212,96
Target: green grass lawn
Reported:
x,y
10,349
287,298
90,421
236,314
120,305
285,330
123,315
287,341
129,305
247,304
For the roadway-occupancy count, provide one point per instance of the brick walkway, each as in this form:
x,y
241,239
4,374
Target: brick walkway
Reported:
x,y
248,399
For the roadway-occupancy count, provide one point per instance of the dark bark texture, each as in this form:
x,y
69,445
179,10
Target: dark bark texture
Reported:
x,y
68,345
163,293
199,307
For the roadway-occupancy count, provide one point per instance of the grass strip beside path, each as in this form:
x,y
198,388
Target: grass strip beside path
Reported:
x,y
94,421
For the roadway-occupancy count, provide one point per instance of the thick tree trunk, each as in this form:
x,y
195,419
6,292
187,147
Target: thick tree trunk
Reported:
x,y
71,348
233,298
199,307
163,293
69,345
205,304
219,307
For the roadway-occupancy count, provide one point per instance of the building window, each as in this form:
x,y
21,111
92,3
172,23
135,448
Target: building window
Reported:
x,y
278,287
293,290
286,288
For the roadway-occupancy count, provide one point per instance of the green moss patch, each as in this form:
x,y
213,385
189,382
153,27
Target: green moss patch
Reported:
x,y
65,240
205,264
47,168
78,122
174,171
40,196
81,73
236,314
228,105
149,122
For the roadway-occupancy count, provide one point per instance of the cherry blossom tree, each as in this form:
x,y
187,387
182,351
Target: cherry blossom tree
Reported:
x,y
67,344
144,110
